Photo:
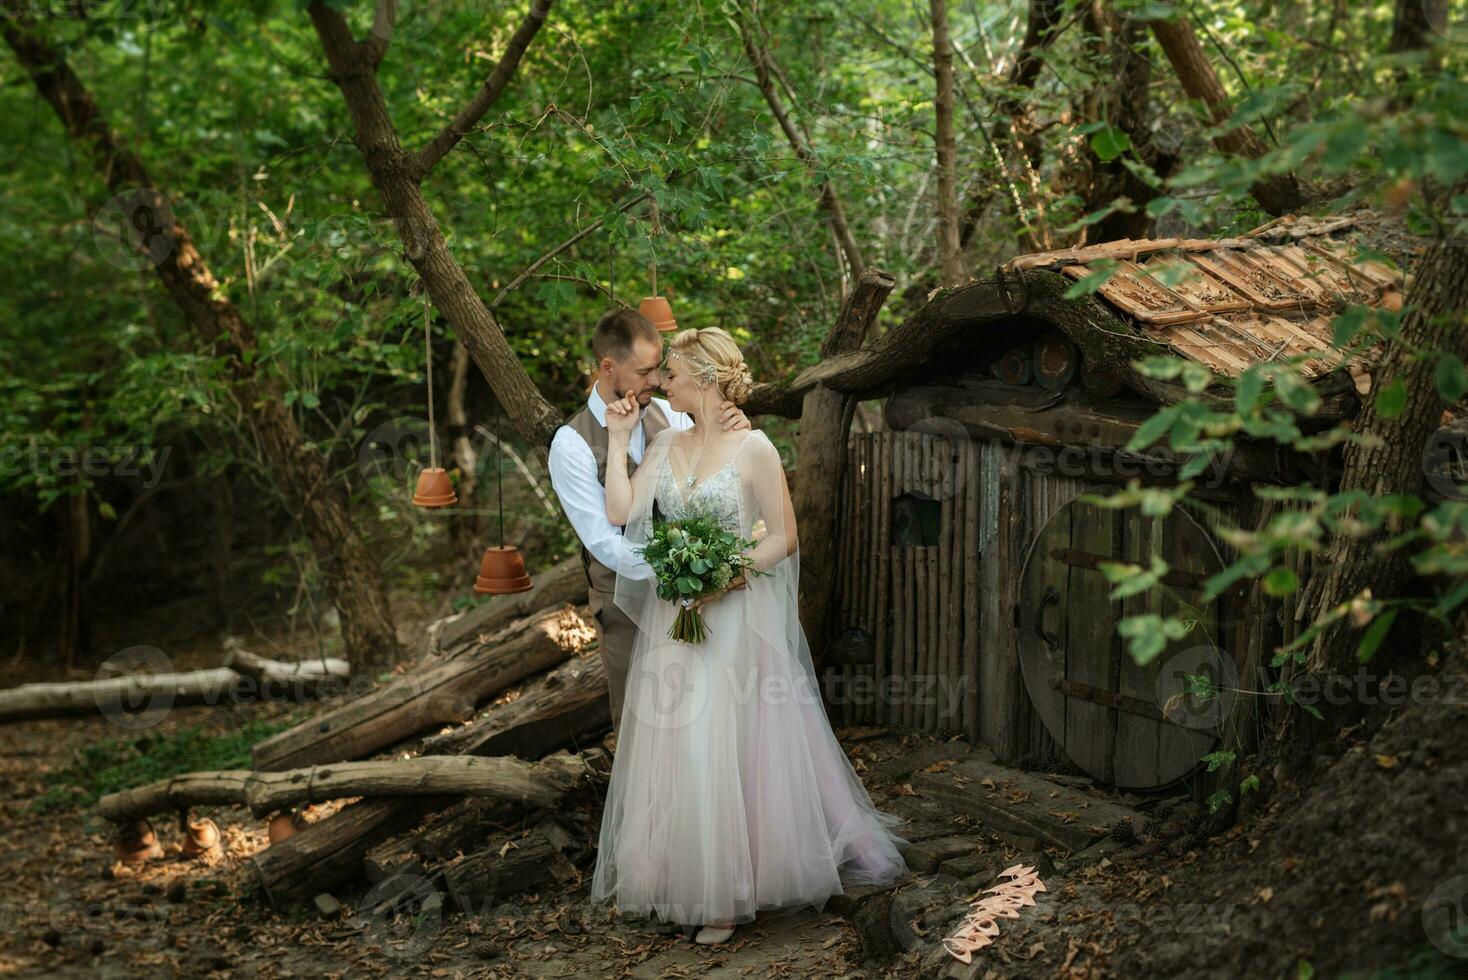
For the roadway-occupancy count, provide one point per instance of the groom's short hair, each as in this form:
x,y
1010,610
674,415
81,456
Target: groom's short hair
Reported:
x,y
618,330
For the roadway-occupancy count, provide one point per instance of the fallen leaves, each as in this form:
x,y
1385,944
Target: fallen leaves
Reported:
x,y
981,926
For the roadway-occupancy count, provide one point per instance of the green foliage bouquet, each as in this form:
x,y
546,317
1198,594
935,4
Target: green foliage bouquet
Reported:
x,y
693,558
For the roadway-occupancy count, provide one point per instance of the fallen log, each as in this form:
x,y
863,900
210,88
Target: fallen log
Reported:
x,y
567,705
437,692
554,587
325,854
311,678
518,866
141,690
500,777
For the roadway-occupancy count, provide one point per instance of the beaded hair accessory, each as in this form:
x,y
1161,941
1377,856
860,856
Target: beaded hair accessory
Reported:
x,y
703,372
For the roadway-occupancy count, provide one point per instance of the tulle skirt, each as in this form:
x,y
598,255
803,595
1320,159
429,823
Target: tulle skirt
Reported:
x,y
729,793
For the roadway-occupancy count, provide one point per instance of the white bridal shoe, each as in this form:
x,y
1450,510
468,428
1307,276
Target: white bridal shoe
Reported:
x,y
709,935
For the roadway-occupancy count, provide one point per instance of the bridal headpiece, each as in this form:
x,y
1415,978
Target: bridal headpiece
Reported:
x,y
704,373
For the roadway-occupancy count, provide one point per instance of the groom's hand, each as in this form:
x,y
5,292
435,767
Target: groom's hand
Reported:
x,y
732,417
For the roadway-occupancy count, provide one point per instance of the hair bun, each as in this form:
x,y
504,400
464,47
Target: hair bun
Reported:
x,y
739,384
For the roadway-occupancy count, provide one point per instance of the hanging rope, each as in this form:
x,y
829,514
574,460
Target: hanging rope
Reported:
x,y
499,488
657,229
428,369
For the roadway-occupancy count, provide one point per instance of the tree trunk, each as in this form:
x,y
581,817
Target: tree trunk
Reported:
x,y
351,575
1351,566
950,250
398,173
825,422
1279,194
1012,136
1412,27
1124,100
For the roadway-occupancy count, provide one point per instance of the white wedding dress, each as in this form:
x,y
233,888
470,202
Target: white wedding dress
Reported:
x,y
729,793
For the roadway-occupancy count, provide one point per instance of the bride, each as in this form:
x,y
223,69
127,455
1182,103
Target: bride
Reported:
x,y
729,793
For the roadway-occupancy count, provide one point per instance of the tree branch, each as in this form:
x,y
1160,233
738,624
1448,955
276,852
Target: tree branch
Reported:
x,y
763,63
424,160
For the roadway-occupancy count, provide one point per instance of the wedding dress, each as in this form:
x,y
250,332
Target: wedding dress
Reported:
x,y
729,793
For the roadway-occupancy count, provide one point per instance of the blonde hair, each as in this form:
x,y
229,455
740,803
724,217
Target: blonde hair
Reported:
x,y
712,354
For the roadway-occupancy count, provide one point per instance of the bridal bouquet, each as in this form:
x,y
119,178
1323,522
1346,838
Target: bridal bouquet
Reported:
x,y
692,558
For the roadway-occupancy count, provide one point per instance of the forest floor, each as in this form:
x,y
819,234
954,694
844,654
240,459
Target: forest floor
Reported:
x,y
1354,877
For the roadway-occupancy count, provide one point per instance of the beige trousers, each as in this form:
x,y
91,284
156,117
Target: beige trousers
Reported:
x,y
616,635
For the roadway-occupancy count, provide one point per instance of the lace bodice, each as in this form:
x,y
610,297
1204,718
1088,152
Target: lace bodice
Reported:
x,y
716,497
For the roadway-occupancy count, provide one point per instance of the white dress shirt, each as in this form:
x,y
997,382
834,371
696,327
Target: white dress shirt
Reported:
x,y
583,496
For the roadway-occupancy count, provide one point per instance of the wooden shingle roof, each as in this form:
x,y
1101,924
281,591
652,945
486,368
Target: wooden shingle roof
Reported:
x,y
1235,302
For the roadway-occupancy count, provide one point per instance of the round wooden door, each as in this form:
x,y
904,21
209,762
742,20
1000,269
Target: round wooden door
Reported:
x,y
1133,726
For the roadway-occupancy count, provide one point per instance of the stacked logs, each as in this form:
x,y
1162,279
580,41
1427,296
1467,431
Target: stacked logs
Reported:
x,y
483,735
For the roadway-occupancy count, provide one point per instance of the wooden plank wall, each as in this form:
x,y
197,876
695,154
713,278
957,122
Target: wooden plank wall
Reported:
x,y
920,604
942,618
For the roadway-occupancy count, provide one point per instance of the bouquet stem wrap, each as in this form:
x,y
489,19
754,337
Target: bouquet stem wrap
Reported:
x,y
688,626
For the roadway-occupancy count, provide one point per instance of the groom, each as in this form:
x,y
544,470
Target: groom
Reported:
x,y
629,353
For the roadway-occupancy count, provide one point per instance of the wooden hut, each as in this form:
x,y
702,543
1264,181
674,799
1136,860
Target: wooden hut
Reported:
x,y
969,597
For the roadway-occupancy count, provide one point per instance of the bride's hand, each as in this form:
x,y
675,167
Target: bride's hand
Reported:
x,y
622,414
701,601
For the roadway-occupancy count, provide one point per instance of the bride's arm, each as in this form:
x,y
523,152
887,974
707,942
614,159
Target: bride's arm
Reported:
x,y
621,417
772,494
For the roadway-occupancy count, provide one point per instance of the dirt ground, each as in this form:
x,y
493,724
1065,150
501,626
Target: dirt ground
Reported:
x,y
1359,876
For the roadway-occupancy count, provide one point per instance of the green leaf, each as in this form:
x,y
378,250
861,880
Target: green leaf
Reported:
x,y
1281,581
1391,400
1452,381
1375,635
1251,387
1092,281
1153,429
1110,143
1348,325
1452,600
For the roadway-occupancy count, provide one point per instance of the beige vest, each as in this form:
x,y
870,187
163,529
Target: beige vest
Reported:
x,y
585,424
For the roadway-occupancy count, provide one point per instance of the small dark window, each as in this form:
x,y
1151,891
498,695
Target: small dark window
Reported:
x,y
916,520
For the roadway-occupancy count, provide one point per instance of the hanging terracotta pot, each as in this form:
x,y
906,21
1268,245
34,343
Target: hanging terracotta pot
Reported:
x,y
656,309
201,838
138,843
502,571
434,488
282,825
